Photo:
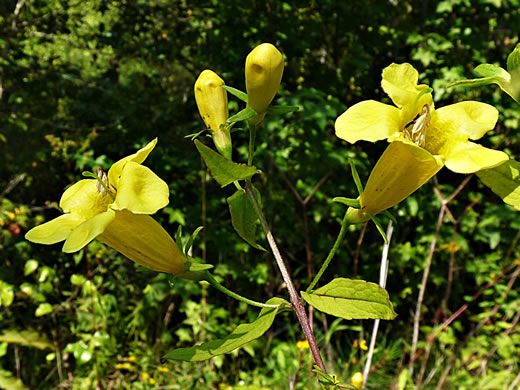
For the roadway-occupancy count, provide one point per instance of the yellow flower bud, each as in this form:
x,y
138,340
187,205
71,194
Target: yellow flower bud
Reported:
x,y
357,380
264,69
212,102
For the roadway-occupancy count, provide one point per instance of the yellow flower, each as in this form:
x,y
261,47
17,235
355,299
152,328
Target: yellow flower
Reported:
x,y
162,369
212,102
151,381
113,209
355,344
302,344
123,366
144,376
132,358
422,139
264,69
363,345
357,380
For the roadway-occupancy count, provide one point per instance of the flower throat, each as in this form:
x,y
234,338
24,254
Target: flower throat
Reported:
x,y
415,131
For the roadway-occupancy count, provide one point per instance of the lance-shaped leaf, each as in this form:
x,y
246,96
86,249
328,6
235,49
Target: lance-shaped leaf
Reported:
x,y
236,92
504,181
245,114
352,299
28,338
243,216
223,170
242,334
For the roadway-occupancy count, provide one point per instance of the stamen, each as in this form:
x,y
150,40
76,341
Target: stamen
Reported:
x,y
102,184
417,133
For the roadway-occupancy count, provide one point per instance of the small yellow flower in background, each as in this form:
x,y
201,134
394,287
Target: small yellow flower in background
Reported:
x,y
123,366
451,247
113,209
152,381
212,102
354,360
422,139
355,344
144,376
363,345
264,70
131,358
302,344
357,380
162,369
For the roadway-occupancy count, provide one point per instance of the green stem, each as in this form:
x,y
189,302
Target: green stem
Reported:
x,y
252,136
343,230
211,280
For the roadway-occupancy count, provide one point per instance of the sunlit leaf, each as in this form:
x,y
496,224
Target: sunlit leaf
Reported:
x,y
243,216
504,181
27,338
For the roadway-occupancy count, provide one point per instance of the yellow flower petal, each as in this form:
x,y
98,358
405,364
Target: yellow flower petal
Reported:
x,y
357,380
468,157
140,190
83,199
87,231
400,171
368,121
138,157
54,231
473,119
143,240
400,83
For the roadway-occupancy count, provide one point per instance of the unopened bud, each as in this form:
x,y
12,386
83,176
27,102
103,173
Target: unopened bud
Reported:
x,y
264,69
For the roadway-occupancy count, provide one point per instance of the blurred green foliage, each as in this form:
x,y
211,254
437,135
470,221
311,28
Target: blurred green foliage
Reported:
x,y
84,83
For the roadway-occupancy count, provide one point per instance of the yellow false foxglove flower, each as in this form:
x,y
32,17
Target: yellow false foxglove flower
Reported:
x,y
114,209
357,380
422,139
264,69
302,344
212,102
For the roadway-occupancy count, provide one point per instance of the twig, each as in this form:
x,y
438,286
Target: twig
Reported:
x,y
295,299
382,282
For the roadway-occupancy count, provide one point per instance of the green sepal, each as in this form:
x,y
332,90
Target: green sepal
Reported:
x,y
245,114
178,237
192,238
504,181
280,110
223,170
241,335
236,92
193,266
379,228
352,299
89,174
347,201
355,176
195,135
390,216
243,216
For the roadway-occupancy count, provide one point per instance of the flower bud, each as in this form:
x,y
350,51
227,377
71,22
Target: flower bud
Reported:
x,y
264,69
212,102
357,380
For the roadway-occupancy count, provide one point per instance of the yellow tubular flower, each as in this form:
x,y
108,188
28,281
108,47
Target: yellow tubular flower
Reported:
x,y
422,139
357,380
212,102
264,69
114,210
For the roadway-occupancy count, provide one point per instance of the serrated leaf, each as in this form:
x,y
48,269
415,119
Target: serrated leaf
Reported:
x,y
27,338
243,216
245,114
352,299
30,267
242,334
223,170
236,92
504,181
43,309
280,110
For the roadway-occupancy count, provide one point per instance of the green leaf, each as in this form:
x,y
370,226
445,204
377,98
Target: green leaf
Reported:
x,y
243,216
245,114
28,338
355,175
347,201
193,266
223,170
6,294
77,280
352,299
236,92
30,267
191,239
43,309
489,70
9,382
513,60
280,110
379,228
242,334
504,181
